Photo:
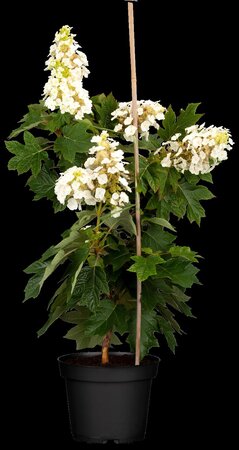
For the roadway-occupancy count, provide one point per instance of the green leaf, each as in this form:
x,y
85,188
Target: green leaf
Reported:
x,y
36,267
108,316
175,203
43,184
179,271
173,178
36,116
145,267
85,217
173,125
58,259
150,295
156,238
76,316
179,295
159,221
157,293
194,179
32,288
148,327
186,310
79,258
28,156
156,176
104,110
152,144
188,117
60,297
57,305
52,259
118,258
167,330
163,210
142,186
169,316
56,120
90,285
153,202
73,238
98,99
169,125
193,195
56,314
58,207
36,282
77,333
184,252
75,139
206,177
124,221
191,178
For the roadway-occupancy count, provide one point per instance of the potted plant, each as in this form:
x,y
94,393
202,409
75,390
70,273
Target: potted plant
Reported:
x,y
80,153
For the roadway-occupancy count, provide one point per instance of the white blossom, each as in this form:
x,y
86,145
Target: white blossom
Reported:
x,y
118,127
72,204
124,198
102,179
166,162
149,113
100,194
68,66
116,212
89,162
199,151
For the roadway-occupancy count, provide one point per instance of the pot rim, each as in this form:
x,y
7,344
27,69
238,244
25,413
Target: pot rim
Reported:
x,y
61,359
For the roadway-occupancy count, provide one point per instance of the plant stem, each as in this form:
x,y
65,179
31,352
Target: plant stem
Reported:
x,y
107,338
105,348
105,129
136,173
98,214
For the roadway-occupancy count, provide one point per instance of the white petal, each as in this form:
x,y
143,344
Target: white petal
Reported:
x,y
102,179
118,127
128,120
72,204
89,162
130,130
116,212
100,194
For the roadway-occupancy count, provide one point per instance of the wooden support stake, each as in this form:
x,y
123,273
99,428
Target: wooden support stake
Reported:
x,y
136,162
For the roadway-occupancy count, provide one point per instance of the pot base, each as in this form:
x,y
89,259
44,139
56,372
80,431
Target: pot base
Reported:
x,y
88,440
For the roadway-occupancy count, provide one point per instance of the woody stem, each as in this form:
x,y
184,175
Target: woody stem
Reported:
x,y
105,348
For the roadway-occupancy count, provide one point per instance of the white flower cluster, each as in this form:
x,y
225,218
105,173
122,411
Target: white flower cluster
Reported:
x,y
103,179
148,114
199,151
68,66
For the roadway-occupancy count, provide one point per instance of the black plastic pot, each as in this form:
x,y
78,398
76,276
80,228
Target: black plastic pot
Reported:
x,y
108,403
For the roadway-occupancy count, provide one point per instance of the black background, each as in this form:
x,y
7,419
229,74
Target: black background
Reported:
x,y
185,53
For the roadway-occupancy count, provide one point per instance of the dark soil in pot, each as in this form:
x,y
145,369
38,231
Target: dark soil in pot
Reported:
x,y
116,360
107,403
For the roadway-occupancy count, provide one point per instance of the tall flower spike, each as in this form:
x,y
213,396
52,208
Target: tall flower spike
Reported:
x,y
68,67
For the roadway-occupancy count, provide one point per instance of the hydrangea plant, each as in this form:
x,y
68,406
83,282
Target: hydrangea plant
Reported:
x,y
79,156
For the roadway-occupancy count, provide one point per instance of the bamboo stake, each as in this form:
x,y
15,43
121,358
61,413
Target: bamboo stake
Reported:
x,y
136,161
